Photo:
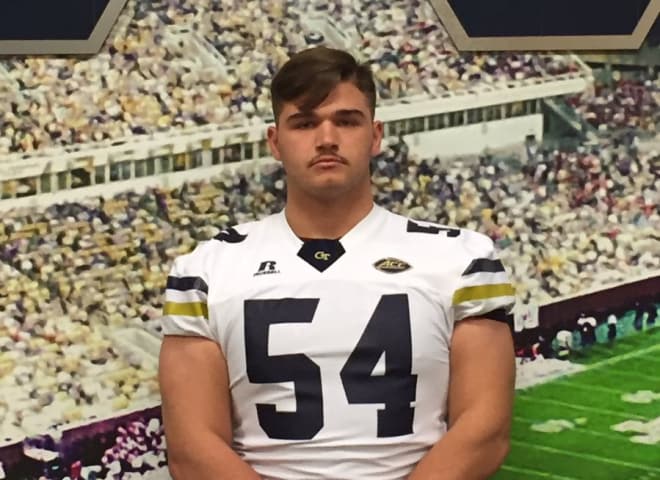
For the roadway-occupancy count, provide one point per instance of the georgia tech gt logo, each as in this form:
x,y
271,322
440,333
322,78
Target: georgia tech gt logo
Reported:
x,y
321,255
391,265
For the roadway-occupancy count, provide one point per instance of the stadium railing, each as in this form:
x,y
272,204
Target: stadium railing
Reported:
x,y
17,166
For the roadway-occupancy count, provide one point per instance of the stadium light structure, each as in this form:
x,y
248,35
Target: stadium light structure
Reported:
x,y
523,25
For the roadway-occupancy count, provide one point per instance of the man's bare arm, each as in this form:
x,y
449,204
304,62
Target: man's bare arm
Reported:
x,y
196,408
481,393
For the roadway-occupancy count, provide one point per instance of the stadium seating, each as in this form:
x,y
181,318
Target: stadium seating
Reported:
x,y
132,447
621,104
184,64
74,272
567,221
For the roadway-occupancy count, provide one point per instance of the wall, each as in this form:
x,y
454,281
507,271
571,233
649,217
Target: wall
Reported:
x,y
474,139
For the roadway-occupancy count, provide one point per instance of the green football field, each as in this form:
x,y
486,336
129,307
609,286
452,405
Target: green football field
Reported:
x,y
577,413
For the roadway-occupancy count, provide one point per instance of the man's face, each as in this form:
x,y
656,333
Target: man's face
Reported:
x,y
326,152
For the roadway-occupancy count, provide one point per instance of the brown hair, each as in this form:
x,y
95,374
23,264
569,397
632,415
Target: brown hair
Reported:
x,y
309,76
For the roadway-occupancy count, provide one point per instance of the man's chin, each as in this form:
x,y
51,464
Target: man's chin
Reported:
x,y
329,187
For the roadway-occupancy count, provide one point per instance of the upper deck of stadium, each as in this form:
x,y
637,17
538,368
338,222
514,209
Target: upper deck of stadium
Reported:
x,y
183,64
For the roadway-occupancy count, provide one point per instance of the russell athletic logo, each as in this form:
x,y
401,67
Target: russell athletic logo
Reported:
x,y
391,265
266,268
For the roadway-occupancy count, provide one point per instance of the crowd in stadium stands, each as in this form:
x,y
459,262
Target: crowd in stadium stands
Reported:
x,y
620,103
132,449
138,448
564,222
73,273
151,77
55,356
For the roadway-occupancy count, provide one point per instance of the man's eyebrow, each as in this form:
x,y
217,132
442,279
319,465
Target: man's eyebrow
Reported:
x,y
344,112
347,112
300,115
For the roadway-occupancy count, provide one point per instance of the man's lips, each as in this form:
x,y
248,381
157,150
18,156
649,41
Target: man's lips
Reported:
x,y
328,160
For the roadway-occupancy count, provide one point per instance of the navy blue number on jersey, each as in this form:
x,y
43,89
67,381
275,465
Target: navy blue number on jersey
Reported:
x,y
413,227
387,332
307,420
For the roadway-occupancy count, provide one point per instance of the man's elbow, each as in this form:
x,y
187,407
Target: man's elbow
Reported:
x,y
498,451
175,471
184,461
503,449
176,467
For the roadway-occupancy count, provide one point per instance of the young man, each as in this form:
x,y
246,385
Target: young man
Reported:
x,y
336,340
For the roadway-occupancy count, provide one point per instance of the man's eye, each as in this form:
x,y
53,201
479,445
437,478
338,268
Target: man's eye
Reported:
x,y
346,123
304,125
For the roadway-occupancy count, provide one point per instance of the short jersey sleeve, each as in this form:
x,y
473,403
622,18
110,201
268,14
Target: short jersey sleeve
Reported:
x,y
483,287
185,309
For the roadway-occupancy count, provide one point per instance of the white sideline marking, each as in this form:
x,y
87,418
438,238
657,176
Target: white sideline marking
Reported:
x,y
643,376
623,356
627,416
588,456
587,367
569,382
529,471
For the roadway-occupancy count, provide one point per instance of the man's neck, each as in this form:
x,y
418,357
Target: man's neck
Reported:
x,y
320,218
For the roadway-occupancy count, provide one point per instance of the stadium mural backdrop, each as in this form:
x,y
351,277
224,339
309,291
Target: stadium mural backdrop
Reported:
x,y
113,164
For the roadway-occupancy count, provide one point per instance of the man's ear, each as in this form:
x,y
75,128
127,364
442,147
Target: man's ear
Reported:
x,y
377,138
272,142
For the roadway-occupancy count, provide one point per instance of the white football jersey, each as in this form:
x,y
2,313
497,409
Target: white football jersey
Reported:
x,y
337,351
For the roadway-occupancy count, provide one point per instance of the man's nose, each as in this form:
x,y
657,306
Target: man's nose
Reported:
x,y
327,136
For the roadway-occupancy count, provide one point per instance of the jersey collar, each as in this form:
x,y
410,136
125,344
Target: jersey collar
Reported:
x,y
362,230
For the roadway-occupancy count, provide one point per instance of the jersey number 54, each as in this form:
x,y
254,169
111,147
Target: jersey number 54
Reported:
x,y
388,331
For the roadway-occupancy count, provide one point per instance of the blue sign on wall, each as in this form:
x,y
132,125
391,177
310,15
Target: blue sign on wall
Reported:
x,y
56,27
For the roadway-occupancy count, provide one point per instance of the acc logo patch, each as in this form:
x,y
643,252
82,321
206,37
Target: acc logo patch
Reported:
x,y
391,265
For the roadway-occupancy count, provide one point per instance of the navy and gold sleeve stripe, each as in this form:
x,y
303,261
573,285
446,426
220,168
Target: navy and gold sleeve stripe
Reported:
x,y
484,265
484,288
187,283
186,309
186,297
482,292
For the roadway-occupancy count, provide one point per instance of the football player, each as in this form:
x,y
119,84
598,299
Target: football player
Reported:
x,y
564,343
587,326
612,322
335,339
